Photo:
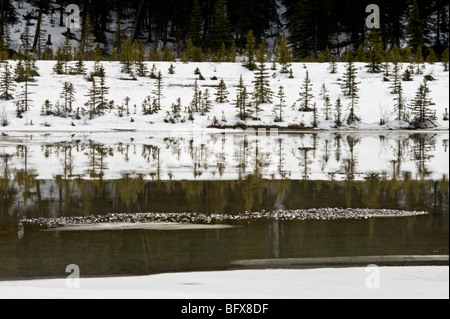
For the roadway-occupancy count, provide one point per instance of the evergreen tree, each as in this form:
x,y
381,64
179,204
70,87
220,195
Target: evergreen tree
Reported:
x,y
407,75
68,96
47,108
415,28
432,57
400,107
139,52
279,108
87,43
333,68
196,24
419,60
120,37
222,93
220,27
126,57
103,91
6,82
27,38
195,105
66,52
3,50
284,55
396,84
350,88
158,91
361,54
59,66
338,113
306,95
25,72
172,69
315,115
445,58
374,49
79,68
94,99
242,102
167,54
206,103
250,51
422,115
262,93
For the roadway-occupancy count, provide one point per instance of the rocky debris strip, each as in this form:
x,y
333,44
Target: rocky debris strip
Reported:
x,y
198,218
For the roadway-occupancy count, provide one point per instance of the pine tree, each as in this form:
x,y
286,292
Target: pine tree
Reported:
x,y
242,102
87,43
327,105
222,93
59,66
415,28
6,82
327,108
397,81
338,113
196,100
103,91
445,58
68,96
126,57
350,88
262,93
250,51
79,68
119,37
27,38
407,75
158,91
94,99
399,106
25,72
333,68
374,49
66,54
279,108
422,115
419,60
315,115
432,57
220,28
147,106
172,69
284,55
196,24
139,52
3,50
206,103
305,94
47,108
167,54
361,54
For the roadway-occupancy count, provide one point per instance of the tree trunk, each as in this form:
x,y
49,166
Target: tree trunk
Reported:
x,y
38,30
138,19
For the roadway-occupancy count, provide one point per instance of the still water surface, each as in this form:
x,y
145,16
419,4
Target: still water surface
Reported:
x,y
54,176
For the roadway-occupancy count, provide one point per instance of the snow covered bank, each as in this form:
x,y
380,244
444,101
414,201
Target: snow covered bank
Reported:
x,y
341,283
376,101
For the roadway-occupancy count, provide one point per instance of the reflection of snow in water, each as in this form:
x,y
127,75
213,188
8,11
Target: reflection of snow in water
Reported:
x,y
322,156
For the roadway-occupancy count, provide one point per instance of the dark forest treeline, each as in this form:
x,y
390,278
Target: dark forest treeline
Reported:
x,y
313,25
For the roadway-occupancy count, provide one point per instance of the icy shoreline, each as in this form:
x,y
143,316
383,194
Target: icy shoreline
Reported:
x,y
326,283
